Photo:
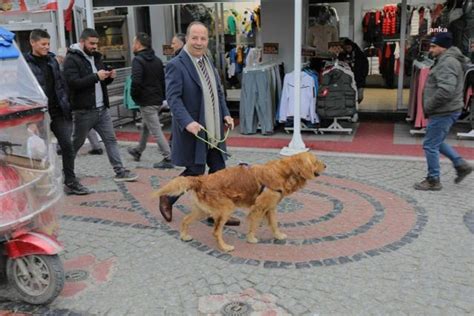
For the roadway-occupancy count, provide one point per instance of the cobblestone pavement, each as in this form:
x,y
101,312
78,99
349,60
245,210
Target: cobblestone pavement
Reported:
x,y
361,241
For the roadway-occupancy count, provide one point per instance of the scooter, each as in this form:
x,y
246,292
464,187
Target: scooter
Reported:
x,y
30,184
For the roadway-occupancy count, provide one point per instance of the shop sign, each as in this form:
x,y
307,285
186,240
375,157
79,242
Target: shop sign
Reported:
x,y
308,52
270,48
7,6
168,50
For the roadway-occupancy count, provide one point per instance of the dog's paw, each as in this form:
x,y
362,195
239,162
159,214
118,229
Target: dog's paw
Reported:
x,y
280,236
227,248
186,237
252,239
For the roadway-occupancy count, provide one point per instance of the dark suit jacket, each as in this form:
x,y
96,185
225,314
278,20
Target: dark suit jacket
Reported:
x,y
185,98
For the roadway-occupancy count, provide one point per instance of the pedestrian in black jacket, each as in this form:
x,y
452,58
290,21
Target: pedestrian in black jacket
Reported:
x,y
178,42
46,70
87,79
148,91
359,64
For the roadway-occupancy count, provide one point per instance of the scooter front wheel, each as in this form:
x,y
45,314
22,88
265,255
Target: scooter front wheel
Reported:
x,y
37,279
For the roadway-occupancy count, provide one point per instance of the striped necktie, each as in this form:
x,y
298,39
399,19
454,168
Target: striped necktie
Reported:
x,y
202,66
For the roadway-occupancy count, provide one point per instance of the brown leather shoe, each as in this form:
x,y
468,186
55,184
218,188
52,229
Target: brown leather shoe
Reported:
x,y
232,221
166,208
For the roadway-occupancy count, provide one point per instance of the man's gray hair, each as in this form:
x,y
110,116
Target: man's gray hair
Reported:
x,y
195,23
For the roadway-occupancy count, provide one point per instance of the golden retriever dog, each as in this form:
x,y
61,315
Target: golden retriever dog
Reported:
x,y
258,188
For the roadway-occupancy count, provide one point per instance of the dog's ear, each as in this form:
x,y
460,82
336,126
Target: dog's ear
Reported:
x,y
303,165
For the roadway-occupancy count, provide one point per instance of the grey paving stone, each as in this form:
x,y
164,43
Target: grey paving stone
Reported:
x,y
156,274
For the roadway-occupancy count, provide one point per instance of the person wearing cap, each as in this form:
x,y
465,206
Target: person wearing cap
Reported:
x,y
442,105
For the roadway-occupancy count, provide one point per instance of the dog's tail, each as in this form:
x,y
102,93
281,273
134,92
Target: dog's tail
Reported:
x,y
175,187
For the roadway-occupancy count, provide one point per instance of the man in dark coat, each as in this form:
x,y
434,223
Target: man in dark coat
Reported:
x,y
148,91
46,69
87,79
359,64
196,99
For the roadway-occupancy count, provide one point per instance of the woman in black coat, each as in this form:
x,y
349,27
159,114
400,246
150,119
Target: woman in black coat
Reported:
x,y
354,56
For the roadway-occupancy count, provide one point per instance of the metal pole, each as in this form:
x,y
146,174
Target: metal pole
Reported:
x,y
61,33
217,35
403,31
89,13
351,18
296,145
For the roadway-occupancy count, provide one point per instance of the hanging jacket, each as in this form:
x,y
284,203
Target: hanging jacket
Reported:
x,y
463,30
337,94
372,26
415,23
389,26
307,102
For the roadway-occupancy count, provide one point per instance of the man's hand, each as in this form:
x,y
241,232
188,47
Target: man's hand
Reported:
x,y
103,74
113,74
229,121
194,127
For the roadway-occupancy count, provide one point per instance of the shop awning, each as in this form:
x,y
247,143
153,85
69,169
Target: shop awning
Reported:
x,y
126,3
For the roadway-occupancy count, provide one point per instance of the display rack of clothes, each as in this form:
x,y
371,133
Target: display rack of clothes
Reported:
x,y
468,110
415,114
245,22
308,91
390,62
337,96
261,88
374,57
238,58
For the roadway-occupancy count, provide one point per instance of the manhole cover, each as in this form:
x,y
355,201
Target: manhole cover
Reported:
x,y
236,309
76,275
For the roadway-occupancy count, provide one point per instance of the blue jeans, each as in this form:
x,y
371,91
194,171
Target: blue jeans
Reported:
x,y
433,144
100,120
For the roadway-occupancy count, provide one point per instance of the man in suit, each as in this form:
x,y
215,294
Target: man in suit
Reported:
x,y
196,99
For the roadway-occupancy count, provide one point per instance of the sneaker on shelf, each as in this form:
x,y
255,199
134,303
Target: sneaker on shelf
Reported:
x,y
125,176
164,164
98,151
75,188
134,153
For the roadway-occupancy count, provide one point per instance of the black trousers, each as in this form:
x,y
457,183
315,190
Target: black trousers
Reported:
x,y
214,161
62,129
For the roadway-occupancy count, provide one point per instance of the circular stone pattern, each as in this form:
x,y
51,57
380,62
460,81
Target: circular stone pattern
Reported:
x,y
334,220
